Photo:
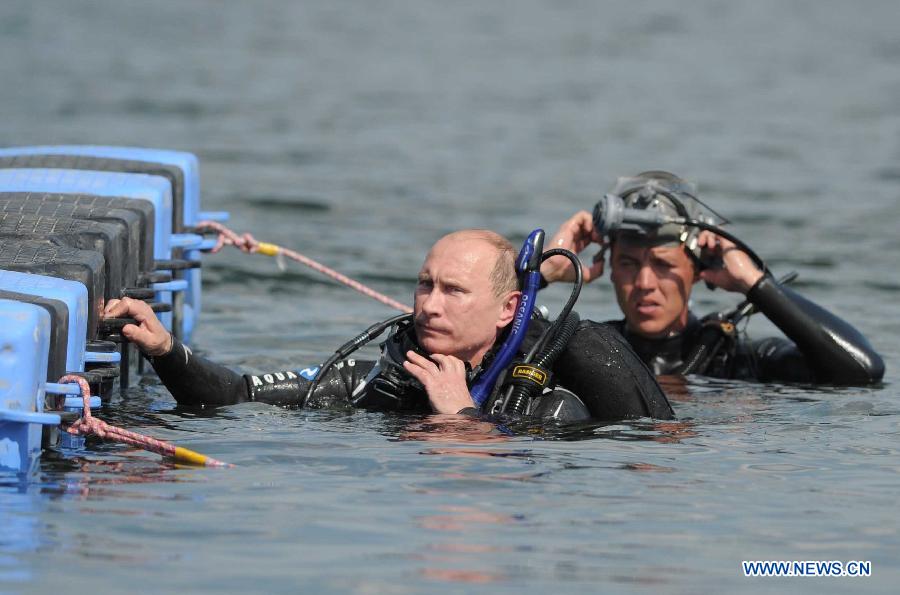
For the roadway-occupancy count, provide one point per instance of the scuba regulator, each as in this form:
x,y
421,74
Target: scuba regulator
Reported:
x,y
349,347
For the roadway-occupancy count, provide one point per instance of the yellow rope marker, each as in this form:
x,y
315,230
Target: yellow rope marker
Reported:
x,y
186,455
268,249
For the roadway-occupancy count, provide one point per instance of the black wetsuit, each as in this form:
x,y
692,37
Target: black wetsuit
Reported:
x,y
598,366
820,347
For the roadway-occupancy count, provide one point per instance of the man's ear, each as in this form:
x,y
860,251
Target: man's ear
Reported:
x,y
508,305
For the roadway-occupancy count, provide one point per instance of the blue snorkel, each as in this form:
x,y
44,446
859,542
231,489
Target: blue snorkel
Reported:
x,y
528,265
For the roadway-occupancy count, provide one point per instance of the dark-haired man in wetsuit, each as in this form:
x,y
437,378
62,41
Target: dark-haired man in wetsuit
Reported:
x,y
465,298
653,273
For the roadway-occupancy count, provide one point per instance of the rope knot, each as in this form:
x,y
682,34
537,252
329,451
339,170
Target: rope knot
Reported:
x,y
87,425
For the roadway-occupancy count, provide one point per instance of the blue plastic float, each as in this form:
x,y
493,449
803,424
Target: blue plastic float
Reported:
x,y
24,344
74,296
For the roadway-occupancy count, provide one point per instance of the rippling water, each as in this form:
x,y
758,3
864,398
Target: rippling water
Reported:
x,y
357,132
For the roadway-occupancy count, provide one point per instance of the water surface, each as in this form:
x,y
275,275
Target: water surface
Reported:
x,y
357,133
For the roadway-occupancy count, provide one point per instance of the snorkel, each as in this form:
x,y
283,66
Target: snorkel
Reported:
x,y
527,377
528,265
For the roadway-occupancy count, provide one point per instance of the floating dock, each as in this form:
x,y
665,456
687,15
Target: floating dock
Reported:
x,y
80,225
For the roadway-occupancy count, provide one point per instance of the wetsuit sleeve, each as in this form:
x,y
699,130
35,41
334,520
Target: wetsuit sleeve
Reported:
x,y
196,381
824,348
288,388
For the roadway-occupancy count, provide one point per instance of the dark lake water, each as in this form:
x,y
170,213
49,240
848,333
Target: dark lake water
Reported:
x,y
357,133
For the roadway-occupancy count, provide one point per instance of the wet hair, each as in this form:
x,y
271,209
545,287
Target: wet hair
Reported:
x,y
503,274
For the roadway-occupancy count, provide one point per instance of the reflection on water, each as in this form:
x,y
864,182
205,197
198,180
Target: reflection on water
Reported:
x,y
459,521
452,428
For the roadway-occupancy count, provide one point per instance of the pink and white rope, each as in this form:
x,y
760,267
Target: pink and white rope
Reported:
x,y
87,425
247,243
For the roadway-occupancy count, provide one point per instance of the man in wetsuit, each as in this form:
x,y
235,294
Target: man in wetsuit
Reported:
x,y
465,297
654,271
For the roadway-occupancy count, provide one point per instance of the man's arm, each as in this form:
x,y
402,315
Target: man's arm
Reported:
x,y
825,348
575,235
196,381
829,348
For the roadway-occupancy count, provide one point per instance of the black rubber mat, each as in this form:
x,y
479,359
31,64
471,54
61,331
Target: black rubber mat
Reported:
x,y
84,234
143,208
46,258
69,206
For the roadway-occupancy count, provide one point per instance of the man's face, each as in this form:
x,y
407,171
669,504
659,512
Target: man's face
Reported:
x,y
456,311
653,285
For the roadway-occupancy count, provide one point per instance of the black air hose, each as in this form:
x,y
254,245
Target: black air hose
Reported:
x,y
522,393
